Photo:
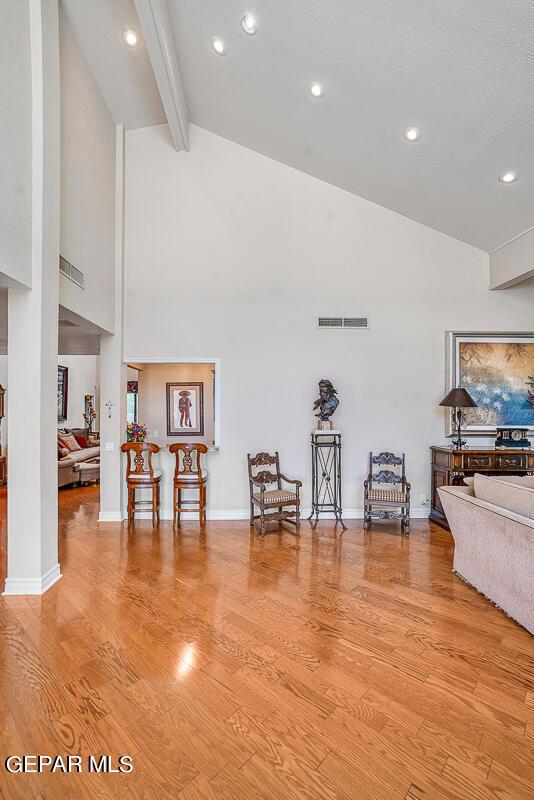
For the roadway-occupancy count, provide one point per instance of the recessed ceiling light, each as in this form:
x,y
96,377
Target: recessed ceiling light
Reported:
x,y
412,134
131,38
316,89
508,177
218,46
249,24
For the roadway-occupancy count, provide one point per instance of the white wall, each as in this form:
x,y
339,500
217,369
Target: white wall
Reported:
x,y
230,254
83,379
153,399
87,187
15,142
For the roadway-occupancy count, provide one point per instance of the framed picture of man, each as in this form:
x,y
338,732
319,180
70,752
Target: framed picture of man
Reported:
x,y
62,393
185,409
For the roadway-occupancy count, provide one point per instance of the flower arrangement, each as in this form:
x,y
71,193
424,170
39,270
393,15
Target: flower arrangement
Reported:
x,y
136,432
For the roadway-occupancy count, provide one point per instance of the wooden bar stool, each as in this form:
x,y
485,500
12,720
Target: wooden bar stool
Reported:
x,y
187,476
141,475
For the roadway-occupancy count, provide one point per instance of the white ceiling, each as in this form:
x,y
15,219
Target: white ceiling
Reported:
x,y
461,71
123,74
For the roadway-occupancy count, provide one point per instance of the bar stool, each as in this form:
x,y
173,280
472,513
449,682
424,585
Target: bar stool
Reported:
x,y
187,476
141,475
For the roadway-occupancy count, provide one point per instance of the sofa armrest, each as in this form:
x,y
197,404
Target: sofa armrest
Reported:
x,y
66,463
465,491
461,495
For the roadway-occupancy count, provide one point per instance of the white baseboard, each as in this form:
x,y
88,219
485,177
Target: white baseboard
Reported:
x,y
214,514
110,516
243,513
33,585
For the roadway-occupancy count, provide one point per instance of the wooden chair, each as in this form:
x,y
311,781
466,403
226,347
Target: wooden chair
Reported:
x,y
388,503
277,498
141,475
189,476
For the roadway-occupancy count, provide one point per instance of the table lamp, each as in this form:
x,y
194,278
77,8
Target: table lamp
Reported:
x,y
458,398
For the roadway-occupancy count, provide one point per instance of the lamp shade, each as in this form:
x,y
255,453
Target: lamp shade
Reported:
x,y
458,398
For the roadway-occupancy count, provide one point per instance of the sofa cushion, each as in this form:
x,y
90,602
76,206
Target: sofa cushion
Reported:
x,y
85,455
82,441
512,496
521,480
69,442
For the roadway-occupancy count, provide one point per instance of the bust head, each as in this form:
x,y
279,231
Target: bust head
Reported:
x,y
326,389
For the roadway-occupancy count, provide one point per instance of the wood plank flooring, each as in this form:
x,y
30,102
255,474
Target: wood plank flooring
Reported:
x,y
322,666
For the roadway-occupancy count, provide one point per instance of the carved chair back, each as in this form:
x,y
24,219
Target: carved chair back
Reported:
x,y
378,472
258,469
187,458
139,458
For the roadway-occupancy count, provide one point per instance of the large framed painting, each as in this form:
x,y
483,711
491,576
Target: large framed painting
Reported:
x,y
497,369
185,409
62,393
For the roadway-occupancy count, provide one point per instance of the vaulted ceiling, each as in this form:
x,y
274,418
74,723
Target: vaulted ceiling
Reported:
x,y
462,72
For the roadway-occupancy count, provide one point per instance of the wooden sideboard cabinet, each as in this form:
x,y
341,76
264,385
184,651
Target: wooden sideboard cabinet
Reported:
x,y
450,466
3,470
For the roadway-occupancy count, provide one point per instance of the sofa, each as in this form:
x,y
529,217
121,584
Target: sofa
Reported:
x,y
67,473
492,522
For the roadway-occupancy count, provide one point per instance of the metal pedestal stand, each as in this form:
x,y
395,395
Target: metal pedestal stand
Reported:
x,y
326,475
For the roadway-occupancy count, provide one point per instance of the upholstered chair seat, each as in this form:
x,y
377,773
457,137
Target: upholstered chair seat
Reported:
x,y
157,474
386,495
276,497
195,477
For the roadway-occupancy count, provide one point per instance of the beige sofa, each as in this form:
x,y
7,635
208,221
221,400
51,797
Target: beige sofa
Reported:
x,y
492,522
66,466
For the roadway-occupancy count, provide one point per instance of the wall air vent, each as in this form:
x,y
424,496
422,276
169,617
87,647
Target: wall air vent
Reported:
x,y
330,322
70,271
355,322
342,322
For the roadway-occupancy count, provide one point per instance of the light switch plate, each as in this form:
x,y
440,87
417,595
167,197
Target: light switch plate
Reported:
x,y
155,434
109,446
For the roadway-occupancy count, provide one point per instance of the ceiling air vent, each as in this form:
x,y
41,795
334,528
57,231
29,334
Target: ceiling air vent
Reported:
x,y
342,322
70,271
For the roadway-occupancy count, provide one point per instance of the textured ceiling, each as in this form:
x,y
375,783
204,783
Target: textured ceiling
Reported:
x,y
461,71
123,74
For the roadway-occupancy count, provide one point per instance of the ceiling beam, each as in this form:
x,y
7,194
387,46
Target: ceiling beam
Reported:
x,y
513,262
154,19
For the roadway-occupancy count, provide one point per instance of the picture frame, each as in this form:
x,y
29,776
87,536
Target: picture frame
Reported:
x,y
185,408
62,393
497,369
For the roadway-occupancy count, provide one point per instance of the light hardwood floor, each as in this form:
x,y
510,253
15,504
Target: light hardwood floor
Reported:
x,y
319,666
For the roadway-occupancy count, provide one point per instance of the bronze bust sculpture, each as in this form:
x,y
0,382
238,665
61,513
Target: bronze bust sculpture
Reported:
x,y
327,403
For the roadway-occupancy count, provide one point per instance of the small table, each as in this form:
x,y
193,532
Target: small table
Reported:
x,y
326,475
89,471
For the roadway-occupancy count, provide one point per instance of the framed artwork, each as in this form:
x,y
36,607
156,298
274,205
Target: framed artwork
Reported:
x,y
62,393
497,369
185,409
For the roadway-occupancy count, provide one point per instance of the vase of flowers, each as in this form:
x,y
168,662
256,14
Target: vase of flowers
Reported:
x,y
136,432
